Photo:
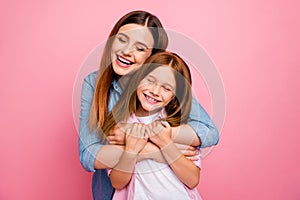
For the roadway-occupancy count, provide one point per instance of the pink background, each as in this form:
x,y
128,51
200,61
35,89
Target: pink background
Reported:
x,y
254,44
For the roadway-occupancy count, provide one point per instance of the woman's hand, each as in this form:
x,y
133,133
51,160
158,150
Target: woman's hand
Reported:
x,y
117,135
189,152
136,138
160,133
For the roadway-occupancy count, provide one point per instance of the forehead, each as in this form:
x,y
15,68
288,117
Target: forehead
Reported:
x,y
164,74
138,33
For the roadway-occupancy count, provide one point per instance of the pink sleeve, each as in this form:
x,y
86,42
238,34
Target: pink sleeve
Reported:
x,y
198,162
108,171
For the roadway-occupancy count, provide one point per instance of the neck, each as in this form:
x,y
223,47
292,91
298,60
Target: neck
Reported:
x,y
140,112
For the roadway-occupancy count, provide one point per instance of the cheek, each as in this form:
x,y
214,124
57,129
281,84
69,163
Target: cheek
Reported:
x,y
116,46
142,88
167,99
139,91
141,58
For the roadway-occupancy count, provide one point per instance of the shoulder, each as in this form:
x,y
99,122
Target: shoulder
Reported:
x,y
91,79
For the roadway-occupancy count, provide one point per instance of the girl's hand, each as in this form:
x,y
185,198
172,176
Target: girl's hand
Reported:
x,y
136,138
160,133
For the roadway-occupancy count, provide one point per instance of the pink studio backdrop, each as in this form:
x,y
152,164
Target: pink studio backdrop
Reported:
x,y
254,44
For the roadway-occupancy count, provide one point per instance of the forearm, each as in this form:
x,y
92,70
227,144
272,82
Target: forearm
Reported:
x,y
186,171
121,174
208,134
203,125
108,156
186,135
89,141
89,145
87,155
151,151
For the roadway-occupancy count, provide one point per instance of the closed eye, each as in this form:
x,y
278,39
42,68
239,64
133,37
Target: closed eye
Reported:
x,y
140,48
166,88
121,39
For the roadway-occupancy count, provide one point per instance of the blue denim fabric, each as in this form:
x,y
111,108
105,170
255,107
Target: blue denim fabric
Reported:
x,y
101,185
90,142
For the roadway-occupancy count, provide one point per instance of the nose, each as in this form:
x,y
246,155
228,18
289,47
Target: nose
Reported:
x,y
126,50
155,89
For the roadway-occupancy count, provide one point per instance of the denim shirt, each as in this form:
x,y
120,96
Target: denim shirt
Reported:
x,y
90,143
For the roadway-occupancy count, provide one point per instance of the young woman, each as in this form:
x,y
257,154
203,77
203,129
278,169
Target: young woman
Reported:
x,y
159,90
135,37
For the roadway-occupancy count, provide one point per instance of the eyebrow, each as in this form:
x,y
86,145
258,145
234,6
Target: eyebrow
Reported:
x,y
141,43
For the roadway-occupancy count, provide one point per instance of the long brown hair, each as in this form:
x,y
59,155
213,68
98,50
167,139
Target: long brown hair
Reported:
x,y
99,108
178,108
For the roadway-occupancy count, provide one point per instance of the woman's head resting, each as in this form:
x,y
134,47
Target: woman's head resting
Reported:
x,y
131,46
135,37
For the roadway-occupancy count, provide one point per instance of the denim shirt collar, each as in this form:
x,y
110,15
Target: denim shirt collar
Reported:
x,y
116,86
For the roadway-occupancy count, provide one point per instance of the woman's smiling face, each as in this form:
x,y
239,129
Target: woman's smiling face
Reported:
x,y
156,90
132,45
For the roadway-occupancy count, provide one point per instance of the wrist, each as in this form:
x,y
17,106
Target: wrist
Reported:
x,y
130,151
163,143
171,153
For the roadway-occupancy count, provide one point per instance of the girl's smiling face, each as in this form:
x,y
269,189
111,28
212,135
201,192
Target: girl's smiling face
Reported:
x,y
156,90
132,45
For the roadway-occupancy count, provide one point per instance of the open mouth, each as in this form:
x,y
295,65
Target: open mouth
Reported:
x,y
123,61
151,99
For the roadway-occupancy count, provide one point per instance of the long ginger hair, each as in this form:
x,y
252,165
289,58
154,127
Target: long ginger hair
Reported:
x,y
177,109
99,108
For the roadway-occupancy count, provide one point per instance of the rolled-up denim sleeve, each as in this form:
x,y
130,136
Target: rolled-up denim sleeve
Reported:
x,y
200,121
89,142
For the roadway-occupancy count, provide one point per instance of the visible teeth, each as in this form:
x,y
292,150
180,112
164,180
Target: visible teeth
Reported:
x,y
151,99
124,61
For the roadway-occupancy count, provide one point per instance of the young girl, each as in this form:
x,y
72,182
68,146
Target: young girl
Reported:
x,y
160,91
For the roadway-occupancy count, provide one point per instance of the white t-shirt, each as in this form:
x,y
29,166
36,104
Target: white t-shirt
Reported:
x,y
154,180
